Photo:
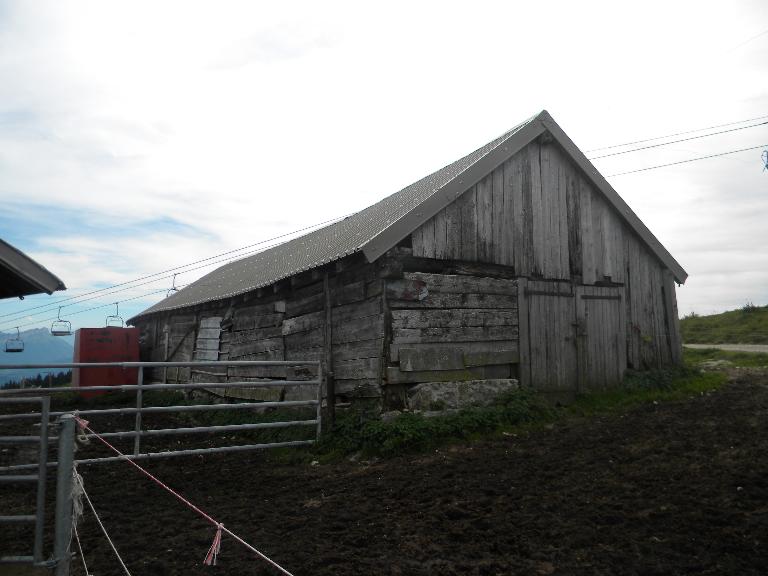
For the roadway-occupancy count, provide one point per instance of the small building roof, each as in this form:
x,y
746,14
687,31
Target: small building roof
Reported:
x,y
20,275
381,226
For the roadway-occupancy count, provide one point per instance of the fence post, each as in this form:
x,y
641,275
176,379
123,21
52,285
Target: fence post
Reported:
x,y
42,471
63,526
319,400
139,404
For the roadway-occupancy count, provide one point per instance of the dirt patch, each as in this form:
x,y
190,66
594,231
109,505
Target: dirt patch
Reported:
x,y
672,488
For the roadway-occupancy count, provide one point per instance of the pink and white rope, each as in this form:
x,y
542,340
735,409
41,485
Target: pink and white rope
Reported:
x,y
213,552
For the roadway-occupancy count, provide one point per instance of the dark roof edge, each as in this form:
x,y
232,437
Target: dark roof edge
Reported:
x,y
613,197
30,270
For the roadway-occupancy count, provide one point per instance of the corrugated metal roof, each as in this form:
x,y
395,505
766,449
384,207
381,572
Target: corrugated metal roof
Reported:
x,y
321,246
382,225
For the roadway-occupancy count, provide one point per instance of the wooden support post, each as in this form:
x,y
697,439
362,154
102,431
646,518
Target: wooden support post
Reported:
x,y
524,345
166,331
330,386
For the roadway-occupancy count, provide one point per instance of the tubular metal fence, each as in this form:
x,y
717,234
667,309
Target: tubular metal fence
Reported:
x,y
19,473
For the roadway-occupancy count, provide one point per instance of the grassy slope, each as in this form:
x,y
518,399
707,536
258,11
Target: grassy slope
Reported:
x,y
748,325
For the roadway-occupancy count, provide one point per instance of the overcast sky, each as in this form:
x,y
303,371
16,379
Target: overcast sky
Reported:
x,y
139,136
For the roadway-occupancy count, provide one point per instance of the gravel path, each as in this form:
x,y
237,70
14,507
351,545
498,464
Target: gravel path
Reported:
x,y
733,347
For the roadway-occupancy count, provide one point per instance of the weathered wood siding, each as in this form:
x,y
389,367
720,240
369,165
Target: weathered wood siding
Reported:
x,y
285,324
530,273
449,328
536,213
539,215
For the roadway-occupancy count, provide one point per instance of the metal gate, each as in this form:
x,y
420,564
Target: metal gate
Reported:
x,y
21,473
37,480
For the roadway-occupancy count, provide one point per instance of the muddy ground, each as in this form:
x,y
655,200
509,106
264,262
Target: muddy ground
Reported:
x,y
665,489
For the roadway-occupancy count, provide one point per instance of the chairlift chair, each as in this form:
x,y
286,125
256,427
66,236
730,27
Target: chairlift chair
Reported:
x,y
173,286
15,344
61,327
115,320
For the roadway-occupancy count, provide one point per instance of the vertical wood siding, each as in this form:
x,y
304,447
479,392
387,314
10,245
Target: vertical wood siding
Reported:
x,y
538,214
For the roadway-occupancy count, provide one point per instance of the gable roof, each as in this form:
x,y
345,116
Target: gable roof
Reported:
x,y
381,226
22,276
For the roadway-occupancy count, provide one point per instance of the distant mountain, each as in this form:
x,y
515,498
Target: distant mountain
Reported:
x,y
40,347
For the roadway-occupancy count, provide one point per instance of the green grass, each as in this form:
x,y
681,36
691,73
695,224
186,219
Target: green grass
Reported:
x,y
361,431
740,359
748,325
644,387
409,432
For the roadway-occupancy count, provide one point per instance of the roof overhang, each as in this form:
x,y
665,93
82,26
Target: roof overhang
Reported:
x,y
20,275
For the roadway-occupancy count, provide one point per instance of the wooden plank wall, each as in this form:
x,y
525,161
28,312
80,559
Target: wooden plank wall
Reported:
x,y
449,328
538,214
181,330
652,323
287,324
357,332
552,360
602,343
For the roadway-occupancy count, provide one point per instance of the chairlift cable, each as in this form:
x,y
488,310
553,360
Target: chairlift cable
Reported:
x,y
181,267
99,307
129,284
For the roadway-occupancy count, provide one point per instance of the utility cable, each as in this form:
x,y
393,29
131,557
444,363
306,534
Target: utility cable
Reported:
x,y
139,297
686,161
676,134
208,259
677,141
48,307
212,260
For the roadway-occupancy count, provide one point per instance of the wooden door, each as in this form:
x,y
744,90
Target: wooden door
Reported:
x,y
548,359
602,336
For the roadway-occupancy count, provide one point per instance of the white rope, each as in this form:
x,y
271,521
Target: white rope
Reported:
x,y
79,547
104,530
77,513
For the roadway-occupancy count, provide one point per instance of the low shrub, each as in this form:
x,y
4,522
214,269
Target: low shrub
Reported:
x,y
409,431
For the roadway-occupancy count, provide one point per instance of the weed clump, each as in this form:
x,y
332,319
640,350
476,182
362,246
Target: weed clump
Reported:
x,y
409,431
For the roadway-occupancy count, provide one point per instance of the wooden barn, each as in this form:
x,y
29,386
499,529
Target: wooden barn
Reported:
x,y
518,262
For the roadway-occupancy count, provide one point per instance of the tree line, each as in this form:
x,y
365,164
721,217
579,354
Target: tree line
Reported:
x,y
43,379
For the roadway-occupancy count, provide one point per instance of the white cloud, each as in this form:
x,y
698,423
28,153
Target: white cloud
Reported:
x,y
237,121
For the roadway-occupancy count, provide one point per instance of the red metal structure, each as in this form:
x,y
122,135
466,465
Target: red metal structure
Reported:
x,y
109,344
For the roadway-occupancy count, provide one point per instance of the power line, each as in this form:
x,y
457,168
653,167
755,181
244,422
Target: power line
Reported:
x,y
677,134
156,274
48,307
686,161
211,260
54,318
680,140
